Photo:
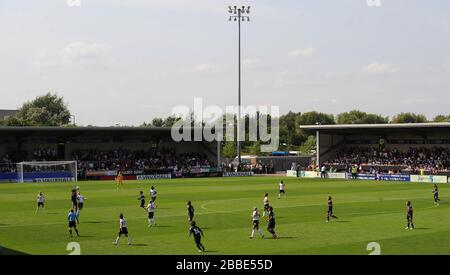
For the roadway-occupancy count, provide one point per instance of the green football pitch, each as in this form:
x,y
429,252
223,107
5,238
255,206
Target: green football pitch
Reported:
x,y
368,211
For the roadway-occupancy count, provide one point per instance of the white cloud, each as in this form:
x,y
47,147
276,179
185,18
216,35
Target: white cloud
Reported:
x,y
249,62
83,53
446,67
172,5
45,60
376,68
304,52
73,54
204,68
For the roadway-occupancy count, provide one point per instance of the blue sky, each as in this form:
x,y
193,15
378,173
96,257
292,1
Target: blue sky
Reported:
x,y
127,61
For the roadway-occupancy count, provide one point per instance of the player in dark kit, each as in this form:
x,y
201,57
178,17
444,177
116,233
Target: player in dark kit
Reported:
x,y
190,210
142,199
409,216
330,209
74,200
271,225
436,195
198,234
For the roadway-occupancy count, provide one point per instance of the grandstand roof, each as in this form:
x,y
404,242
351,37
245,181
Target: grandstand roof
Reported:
x,y
66,133
81,128
78,131
348,128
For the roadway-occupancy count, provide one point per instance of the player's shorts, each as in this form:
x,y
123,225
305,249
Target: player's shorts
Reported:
x,y
266,207
153,199
72,224
80,205
330,210
271,225
124,231
142,203
197,238
40,204
282,191
151,214
191,216
255,223
409,217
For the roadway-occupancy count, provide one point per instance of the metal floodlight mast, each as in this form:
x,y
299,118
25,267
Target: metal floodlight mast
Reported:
x,y
238,14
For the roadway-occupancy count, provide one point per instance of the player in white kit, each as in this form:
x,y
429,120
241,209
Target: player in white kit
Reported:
x,y
282,189
255,219
40,202
151,213
153,195
266,204
122,230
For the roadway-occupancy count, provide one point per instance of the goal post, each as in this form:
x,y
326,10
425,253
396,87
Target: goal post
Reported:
x,y
47,171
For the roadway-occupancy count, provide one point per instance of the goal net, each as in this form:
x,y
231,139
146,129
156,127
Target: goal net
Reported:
x,y
46,171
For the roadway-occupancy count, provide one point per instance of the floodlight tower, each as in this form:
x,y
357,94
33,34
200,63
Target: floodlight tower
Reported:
x,y
238,14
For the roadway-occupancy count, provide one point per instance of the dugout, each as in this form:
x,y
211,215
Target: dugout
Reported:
x,y
331,138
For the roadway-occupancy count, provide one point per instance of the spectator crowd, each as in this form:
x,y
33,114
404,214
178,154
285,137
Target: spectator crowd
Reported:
x,y
119,159
139,160
414,159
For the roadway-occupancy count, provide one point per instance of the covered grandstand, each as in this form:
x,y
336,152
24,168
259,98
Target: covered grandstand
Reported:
x,y
399,148
101,152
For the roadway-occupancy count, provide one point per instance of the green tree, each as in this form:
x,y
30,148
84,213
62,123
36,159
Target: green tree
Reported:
x,y
157,122
308,146
289,130
409,118
255,148
359,117
161,122
442,118
46,110
229,149
312,118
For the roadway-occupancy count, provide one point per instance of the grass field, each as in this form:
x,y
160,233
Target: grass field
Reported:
x,y
368,211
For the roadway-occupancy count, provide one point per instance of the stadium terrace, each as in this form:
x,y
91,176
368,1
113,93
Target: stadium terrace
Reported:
x,y
100,152
415,148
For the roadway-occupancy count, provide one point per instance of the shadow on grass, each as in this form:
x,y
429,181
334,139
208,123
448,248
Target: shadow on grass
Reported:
x,y
139,244
7,251
160,226
281,238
